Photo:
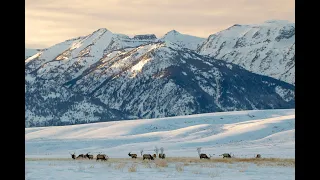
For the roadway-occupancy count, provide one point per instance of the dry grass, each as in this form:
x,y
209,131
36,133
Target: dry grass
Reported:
x,y
179,167
186,164
187,161
160,163
48,159
132,168
147,165
275,161
120,166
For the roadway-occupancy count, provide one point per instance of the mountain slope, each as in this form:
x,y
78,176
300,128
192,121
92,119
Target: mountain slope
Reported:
x,y
267,48
244,133
106,76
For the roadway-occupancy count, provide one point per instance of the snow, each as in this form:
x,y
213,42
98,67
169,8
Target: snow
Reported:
x,y
139,65
90,169
267,48
30,52
182,40
29,78
86,67
270,133
34,56
218,132
283,93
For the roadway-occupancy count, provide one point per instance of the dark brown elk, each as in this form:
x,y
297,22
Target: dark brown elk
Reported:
x,y
147,156
73,156
204,156
89,156
132,155
154,155
162,156
102,157
81,156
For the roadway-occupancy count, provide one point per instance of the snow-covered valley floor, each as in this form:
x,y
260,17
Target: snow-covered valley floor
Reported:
x,y
184,169
244,134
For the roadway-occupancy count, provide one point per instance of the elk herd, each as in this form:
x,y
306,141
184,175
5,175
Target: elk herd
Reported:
x,y
224,155
161,155
99,156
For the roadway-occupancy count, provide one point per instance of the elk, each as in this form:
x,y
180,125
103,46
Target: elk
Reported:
x,y
102,157
81,156
162,156
258,156
204,156
132,155
156,150
73,155
147,156
201,155
89,156
225,155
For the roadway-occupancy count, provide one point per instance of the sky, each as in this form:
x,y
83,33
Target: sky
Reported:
x,y
49,22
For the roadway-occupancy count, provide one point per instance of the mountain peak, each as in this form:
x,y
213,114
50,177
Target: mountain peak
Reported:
x,y
182,40
174,32
101,30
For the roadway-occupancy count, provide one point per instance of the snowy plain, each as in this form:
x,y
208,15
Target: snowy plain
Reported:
x,y
270,133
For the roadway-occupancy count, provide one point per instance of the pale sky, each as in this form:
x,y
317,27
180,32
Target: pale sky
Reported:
x,y
49,22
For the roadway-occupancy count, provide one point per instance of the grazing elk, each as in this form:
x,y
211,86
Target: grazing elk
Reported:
x,y
132,155
225,155
81,156
204,156
258,156
154,155
201,155
89,156
147,156
162,156
102,157
73,155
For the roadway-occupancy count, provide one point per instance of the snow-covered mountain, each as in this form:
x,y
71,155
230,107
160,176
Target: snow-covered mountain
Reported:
x,y
30,52
182,40
106,76
267,48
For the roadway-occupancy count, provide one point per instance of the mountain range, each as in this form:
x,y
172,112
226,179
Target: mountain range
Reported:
x,y
106,76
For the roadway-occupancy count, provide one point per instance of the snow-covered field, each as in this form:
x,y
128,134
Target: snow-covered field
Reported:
x,y
136,169
270,133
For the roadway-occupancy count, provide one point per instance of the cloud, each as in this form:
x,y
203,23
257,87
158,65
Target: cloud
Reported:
x,y
52,21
